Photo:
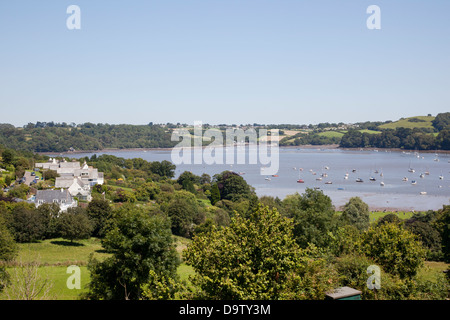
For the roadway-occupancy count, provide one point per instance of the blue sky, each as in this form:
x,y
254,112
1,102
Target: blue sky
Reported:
x,y
223,61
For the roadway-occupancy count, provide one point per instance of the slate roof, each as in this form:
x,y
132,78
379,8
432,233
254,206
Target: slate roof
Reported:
x,y
48,196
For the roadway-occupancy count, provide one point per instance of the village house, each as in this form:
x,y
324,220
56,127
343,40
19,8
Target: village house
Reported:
x,y
75,186
61,197
77,179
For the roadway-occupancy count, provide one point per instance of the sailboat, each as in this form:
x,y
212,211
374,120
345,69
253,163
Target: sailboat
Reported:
x,y
299,179
382,183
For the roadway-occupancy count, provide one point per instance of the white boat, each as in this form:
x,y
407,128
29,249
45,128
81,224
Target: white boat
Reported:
x,y
372,179
423,193
329,182
382,183
327,168
268,179
422,175
411,170
405,179
441,177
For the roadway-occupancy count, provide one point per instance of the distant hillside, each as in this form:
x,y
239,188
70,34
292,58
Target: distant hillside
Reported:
x,y
412,122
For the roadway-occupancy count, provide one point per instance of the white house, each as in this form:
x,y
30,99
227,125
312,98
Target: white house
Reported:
x,y
76,187
61,197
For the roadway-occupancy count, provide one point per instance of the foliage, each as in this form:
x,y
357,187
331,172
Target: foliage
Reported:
x,y
356,213
74,224
396,249
100,213
443,226
314,217
8,247
253,258
215,194
28,225
138,243
442,121
161,287
182,210
232,186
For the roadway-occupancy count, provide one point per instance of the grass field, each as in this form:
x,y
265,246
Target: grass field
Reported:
x,y
331,134
405,123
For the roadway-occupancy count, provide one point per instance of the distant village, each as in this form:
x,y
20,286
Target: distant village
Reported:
x,y
74,182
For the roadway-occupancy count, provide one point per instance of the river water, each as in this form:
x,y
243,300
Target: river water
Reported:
x,y
431,174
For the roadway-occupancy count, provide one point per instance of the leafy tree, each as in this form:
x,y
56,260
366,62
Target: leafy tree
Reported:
x,y
251,259
8,180
8,156
232,186
74,224
424,226
389,218
182,210
314,217
139,243
215,194
441,121
100,213
148,191
443,226
396,249
19,191
356,213
163,168
50,213
28,226
8,247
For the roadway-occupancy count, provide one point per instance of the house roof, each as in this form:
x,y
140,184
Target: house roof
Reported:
x,y
48,196
67,182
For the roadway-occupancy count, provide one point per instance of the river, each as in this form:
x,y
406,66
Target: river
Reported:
x,y
430,171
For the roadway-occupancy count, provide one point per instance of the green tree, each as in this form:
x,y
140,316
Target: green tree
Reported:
x,y
100,213
443,226
74,224
28,226
254,258
182,211
396,249
8,156
139,243
356,213
8,247
232,186
314,217
215,194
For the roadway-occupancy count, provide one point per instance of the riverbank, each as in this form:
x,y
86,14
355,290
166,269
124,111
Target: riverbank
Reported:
x,y
318,147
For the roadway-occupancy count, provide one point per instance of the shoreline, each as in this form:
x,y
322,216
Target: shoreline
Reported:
x,y
308,146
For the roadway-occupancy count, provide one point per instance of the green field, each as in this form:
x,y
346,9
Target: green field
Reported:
x,y
369,131
331,134
405,123
55,255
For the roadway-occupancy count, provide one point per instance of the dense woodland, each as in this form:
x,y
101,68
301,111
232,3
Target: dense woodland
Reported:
x,y
62,137
242,246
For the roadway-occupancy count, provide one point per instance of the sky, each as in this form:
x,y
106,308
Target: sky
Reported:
x,y
223,61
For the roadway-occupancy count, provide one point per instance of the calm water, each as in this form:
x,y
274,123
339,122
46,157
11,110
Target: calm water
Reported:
x,y
394,166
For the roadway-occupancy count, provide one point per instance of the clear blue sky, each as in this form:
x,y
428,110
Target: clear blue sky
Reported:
x,y
223,61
